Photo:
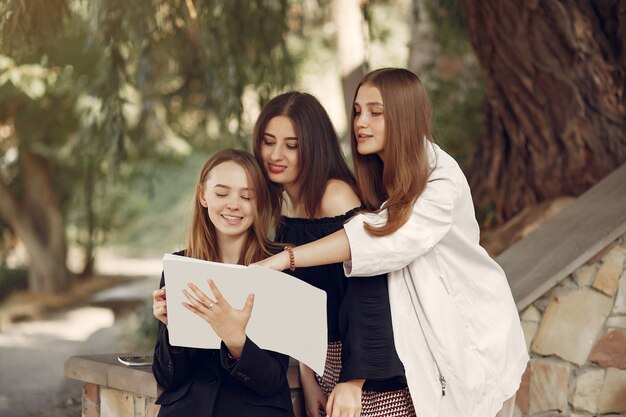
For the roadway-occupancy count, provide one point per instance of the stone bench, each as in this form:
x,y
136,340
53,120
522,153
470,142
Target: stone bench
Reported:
x,y
112,389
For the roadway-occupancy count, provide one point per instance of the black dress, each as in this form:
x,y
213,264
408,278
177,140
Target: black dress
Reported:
x,y
360,333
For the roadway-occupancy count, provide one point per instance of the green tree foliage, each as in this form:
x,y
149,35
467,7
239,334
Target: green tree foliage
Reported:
x,y
94,87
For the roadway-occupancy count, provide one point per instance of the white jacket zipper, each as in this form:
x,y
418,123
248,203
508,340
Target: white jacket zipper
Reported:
x,y
442,379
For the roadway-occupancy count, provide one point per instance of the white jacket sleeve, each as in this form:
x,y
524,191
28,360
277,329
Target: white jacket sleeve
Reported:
x,y
428,223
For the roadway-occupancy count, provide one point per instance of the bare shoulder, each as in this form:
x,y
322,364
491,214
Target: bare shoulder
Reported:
x,y
338,198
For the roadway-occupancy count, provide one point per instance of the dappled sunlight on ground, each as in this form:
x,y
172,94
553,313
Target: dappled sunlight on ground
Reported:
x,y
75,325
109,263
94,318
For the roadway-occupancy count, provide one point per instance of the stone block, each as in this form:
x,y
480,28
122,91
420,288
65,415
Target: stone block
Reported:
x,y
141,405
90,393
607,278
90,401
587,388
571,324
530,330
134,379
595,258
620,298
531,314
84,369
613,395
90,409
584,275
522,400
616,321
610,351
153,409
114,403
549,386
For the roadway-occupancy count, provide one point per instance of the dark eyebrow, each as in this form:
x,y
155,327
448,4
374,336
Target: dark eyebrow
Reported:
x,y
274,137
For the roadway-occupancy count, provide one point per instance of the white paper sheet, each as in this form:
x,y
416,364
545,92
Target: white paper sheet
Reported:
x,y
289,315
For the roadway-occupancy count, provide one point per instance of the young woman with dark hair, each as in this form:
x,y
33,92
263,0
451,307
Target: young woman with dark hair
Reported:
x,y
230,221
456,327
313,195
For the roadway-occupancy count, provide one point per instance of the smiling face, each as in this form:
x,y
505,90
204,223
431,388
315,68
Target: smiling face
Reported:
x,y
369,121
227,197
279,151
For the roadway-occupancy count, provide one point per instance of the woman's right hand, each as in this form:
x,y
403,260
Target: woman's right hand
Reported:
x,y
278,262
159,308
314,398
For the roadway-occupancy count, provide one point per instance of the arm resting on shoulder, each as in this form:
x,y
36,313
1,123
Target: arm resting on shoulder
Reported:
x,y
367,255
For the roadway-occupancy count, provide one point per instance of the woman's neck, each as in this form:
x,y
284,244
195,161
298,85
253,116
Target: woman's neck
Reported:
x,y
293,206
230,247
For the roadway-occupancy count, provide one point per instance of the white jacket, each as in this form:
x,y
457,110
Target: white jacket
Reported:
x,y
456,327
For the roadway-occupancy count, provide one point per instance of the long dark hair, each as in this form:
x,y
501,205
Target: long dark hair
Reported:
x,y
402,178
321,158
202,243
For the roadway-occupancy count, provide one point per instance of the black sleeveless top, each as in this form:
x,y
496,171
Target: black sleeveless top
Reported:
x,y
358,311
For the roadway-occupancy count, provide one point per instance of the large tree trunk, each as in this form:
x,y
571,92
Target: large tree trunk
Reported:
x,y
37,221
556,102
422,48
351,35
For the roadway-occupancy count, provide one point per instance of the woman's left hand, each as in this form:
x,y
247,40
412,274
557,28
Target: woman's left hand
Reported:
x,y
228,323
345,400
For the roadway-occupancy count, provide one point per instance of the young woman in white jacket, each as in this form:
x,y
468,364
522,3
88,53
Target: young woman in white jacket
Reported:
x,y
455,324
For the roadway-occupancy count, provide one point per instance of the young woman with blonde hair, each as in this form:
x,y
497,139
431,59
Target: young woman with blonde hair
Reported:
x,y
456,328
230,221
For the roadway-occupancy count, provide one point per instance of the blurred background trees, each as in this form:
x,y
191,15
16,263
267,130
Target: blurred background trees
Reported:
x,y
90,91
107,108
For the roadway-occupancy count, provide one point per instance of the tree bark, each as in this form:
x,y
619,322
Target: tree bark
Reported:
x,y
422,48
90,219
351,52
556,103
37,221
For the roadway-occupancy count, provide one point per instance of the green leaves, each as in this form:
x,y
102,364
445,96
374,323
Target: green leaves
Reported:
x,y
104,86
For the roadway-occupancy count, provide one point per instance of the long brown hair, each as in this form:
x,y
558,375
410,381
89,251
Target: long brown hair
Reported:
x,y
402,177
320,156
202,243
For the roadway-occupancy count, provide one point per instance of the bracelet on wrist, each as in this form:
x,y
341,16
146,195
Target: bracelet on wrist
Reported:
x,y
292,259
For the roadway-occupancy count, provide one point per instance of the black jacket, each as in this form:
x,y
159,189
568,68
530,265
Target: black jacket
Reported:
x,y
207,383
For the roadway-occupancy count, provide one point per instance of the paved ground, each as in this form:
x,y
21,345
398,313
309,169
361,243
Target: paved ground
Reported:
x,y
32,353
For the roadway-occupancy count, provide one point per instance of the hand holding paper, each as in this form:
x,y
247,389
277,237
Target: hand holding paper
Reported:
x,y
159,307
228,323
289,315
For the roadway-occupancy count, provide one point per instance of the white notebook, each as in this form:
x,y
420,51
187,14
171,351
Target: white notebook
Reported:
x,y
289,315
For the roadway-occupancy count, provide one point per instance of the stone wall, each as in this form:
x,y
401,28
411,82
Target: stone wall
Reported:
x,y
111,389
99,401
576,335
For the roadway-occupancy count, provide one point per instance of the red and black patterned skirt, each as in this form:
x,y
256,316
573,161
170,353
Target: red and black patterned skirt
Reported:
x,y
373,404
